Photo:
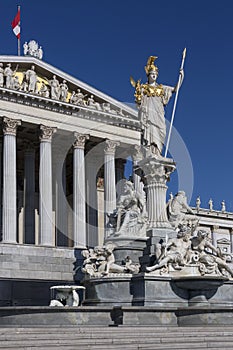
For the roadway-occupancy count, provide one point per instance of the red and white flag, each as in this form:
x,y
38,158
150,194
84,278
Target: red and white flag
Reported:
x,y
16,24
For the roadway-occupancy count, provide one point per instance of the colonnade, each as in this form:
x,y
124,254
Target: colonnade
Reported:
x,y
46,221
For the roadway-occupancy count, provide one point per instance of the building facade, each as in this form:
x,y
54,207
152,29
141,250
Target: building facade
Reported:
x,y
63,150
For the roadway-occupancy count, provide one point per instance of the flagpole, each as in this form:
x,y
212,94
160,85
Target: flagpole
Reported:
x,y
19,36
175,102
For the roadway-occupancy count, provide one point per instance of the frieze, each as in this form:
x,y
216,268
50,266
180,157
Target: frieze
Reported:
x,y
16,78
38,101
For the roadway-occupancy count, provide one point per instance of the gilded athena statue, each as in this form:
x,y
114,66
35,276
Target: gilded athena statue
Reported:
x,y
151,99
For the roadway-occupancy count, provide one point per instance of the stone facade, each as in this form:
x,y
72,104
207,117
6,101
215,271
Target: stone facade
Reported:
x,y
61,156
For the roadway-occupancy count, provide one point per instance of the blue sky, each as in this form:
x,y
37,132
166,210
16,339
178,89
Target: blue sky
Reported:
x,y
104,42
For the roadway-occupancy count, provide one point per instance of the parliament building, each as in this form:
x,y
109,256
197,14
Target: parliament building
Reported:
x,y
64,146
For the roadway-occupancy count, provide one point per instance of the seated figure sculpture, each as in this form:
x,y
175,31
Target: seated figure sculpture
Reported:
x,y
203,252
175,251
130,215
179,212
100,261
187,251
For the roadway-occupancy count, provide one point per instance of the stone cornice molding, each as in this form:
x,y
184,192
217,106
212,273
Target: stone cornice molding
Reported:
x,y
110,147
46,133
44,103
10,126
80,140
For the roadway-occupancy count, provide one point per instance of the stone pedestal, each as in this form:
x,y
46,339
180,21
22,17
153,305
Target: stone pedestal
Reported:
x,y
128,246
159,291
155,172
108,291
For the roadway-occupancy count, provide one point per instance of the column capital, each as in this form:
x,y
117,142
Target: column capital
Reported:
x,y
10,126
46,133
80,140
110,146
136,153
155,171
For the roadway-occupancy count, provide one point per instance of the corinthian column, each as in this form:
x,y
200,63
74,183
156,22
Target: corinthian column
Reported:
x,y
156,173
79,197
9,226
45,181
109,176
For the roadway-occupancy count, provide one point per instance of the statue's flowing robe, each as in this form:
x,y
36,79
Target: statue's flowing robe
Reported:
x,y
151,114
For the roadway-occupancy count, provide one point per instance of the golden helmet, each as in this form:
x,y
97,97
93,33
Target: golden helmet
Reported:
x,y
151,66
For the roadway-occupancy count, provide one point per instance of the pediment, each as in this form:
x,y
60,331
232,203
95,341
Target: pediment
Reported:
x,y
224,241
77,97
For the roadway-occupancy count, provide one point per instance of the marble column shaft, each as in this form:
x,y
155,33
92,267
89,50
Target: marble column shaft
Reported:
x,y
29,196
79,189
214,235
9,224
45,181
109,176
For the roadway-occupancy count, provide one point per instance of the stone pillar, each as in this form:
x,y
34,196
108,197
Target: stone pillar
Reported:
x,y
29,195
79,197
137,157
109,177
45,182
214,229
9,225
156,173
231,239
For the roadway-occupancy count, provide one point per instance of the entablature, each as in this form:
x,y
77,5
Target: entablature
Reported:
x,y
91,104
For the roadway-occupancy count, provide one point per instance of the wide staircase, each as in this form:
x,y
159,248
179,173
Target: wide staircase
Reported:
x,y
121,337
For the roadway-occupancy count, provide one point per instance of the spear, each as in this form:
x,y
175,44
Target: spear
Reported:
x,y
175,102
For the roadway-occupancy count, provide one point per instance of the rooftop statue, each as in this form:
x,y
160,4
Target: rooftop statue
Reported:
x,y
151,99
32,49
9,75
31,79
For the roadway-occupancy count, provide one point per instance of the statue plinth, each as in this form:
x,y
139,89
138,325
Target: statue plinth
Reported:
x,y
155,172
